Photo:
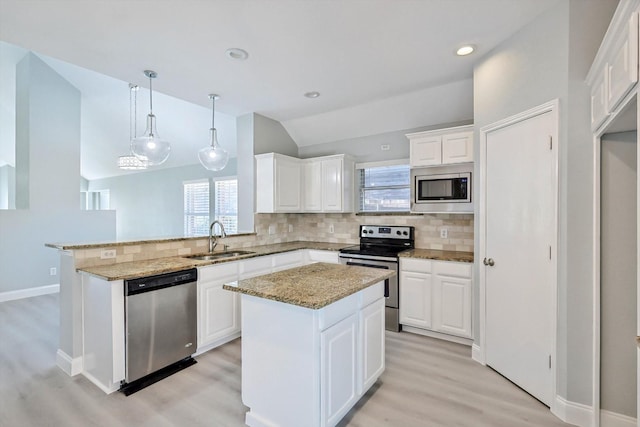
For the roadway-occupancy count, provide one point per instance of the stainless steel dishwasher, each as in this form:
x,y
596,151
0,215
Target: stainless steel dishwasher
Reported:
x,y
160,322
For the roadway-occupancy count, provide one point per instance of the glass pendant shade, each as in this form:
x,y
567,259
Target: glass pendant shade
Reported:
x,y
149,147
130,161
213,157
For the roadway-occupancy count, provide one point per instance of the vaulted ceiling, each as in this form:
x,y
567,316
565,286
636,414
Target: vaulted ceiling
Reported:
x,y
356,53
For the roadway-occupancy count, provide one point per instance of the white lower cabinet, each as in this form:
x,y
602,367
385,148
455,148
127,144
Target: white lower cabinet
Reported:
x,y
338,369
436,296
314,255
352,359
218,310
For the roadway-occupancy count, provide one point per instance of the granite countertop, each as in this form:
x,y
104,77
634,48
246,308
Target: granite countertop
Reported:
x,y
437,255
312,286
151,267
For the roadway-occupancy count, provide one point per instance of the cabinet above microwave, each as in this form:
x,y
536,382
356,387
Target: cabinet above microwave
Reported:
x,y
441,147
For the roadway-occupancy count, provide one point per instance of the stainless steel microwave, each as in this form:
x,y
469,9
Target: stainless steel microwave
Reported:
x,y
442,189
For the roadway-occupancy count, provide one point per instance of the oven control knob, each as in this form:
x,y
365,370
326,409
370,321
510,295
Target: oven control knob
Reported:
x,y
398,232
405,233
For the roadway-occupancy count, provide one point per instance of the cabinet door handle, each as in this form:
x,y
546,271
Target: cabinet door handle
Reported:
x,y
490,262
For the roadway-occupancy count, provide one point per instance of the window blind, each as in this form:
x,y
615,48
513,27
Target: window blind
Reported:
x,y
385,189
196,208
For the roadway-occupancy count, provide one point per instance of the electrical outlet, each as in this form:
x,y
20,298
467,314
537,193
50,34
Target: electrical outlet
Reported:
x,y
272,229
331,228
290,228
444,233
53,271
385,147
108,254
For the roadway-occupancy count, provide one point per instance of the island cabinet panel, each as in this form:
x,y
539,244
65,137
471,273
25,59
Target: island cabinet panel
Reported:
x,y
218,310
338,370
305,367
103,332
372,325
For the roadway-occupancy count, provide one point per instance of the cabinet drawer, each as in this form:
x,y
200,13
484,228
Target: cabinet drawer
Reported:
x,y
287,260
372,293
255,267
455,269
330,257
335,312
415,264
227,270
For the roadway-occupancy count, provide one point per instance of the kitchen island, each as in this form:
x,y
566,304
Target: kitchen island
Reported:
x,y
312,342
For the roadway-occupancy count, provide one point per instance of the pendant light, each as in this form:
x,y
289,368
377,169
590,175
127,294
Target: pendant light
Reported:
x,y
130,161
149,147
213,157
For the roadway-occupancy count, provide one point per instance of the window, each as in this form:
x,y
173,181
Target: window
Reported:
x,y
384,188
226,204
200,204
196,208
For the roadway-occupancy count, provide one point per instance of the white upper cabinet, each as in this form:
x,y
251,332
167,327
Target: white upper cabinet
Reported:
x,y
425,150
279,183
312,182
319,184
614,73
328,184
441,147
622,71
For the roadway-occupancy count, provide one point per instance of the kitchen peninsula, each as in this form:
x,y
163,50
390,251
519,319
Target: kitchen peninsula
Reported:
x,y
313,342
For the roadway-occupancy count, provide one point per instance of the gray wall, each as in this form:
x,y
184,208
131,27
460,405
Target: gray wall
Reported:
x,y
269,136
48,123
246,180
549,59
618,273
367,148
150,203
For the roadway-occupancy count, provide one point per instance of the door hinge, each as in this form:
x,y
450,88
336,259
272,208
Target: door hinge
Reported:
x,y
549,361
550,142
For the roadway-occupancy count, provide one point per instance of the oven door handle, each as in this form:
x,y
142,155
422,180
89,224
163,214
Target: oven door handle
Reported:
x,y
386,282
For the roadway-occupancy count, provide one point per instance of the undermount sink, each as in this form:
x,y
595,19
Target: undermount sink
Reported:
x,y
218,255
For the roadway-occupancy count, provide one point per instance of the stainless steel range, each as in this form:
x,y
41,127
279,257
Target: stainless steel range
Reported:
x,y
379,247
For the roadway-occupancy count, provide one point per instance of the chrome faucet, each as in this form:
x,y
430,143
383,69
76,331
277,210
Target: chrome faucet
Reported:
x,y
213,239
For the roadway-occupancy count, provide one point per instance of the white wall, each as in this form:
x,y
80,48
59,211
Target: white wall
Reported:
x,y
150,204
545,60
48,125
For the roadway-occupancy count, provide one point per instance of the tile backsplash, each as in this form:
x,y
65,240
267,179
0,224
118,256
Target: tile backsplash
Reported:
x,y
281,228
345,227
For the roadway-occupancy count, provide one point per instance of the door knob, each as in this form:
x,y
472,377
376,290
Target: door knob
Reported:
x,y
488,262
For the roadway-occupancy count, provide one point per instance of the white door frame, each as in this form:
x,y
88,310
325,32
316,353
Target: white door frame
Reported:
x,y
480,350
597,164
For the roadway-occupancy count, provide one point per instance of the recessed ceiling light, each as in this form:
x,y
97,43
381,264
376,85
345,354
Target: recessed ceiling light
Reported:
x,y
313,94
237,54
465,50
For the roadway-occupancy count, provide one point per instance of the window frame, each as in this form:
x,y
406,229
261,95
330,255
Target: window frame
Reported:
x,y
361,167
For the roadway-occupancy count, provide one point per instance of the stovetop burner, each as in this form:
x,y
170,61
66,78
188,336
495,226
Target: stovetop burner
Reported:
x,y
374,250
383,241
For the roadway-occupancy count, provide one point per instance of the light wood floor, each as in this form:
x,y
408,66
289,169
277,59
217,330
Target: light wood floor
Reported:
x,y
427,382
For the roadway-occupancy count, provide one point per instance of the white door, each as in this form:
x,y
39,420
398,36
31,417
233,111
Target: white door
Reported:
x,y
520,235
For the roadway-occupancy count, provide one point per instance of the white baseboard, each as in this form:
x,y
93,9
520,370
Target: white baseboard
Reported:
x,y
613,419
108,389
67,364
573,413
216,343
432,334
29,292
476,354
